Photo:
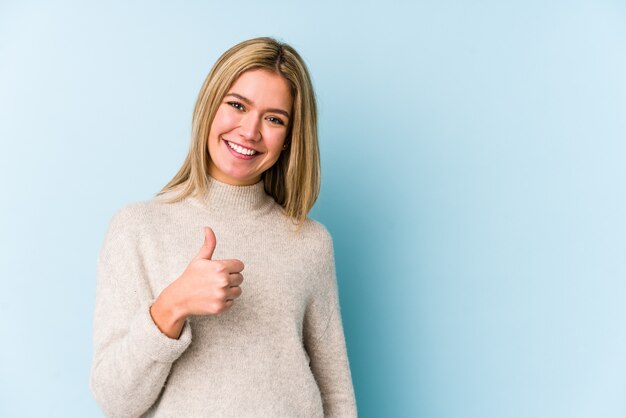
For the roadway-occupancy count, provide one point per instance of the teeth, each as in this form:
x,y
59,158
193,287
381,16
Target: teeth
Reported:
x,y
241,150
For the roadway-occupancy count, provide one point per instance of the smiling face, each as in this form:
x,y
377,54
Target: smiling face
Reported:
x,y
250,127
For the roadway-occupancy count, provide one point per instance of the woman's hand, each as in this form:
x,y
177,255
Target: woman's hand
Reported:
x,y
206,287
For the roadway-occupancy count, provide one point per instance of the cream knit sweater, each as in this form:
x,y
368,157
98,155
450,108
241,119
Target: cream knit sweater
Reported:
x,y
279,351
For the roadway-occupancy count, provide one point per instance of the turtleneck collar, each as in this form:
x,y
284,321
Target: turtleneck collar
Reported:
x,y
226,197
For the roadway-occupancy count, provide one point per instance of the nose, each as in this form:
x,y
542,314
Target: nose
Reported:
x,y
250,127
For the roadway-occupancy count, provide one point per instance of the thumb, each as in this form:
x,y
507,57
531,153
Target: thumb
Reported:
x,y
206,251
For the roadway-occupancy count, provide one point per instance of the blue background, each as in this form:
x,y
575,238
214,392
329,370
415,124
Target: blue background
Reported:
x,y
474,167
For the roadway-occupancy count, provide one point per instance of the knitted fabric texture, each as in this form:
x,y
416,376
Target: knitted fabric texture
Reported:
x,y
279,351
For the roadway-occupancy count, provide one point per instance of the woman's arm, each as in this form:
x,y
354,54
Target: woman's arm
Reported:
x,y
132,358
325,342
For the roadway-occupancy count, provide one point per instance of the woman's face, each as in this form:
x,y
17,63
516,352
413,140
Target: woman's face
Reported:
x,y
250,126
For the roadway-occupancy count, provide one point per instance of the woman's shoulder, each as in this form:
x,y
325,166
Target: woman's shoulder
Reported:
x,y
316,228
315,235
138,213
127,218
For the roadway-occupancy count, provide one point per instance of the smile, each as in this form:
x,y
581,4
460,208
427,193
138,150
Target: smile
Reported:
x,y
241,150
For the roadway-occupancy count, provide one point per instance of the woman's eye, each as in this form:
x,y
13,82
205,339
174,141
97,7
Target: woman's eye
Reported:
x,y
275,120
236,105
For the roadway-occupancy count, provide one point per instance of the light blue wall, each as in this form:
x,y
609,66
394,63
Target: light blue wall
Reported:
x,y
474,167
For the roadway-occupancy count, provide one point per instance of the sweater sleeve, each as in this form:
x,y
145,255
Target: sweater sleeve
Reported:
x,y
131,357
325,342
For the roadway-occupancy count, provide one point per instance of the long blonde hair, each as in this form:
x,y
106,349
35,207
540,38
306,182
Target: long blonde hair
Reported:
x,y
294,180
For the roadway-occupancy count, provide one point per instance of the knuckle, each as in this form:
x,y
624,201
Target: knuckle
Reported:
x,y
224,306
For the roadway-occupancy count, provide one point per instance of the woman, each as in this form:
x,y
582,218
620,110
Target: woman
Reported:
x,y
174,337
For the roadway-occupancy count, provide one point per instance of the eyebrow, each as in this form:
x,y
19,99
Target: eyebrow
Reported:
x,y
250,102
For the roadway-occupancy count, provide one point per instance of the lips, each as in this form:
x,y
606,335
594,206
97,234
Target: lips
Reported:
x,y
241,150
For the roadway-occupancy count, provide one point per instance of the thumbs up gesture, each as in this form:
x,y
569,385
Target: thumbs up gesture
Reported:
x,y
206,287
209,286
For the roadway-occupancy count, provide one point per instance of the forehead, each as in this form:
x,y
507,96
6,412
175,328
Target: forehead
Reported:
x,y
264,88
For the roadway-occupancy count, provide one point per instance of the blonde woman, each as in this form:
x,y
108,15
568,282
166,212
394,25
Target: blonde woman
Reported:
x,y
218,297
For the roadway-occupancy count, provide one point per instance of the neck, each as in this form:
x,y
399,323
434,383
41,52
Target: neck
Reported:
x,y
222,196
